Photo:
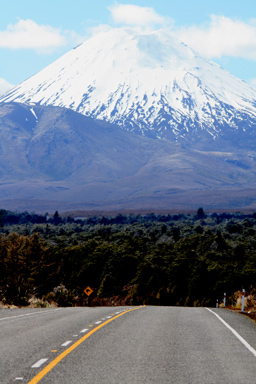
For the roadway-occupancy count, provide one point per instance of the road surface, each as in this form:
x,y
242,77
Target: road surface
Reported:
x,y
141,345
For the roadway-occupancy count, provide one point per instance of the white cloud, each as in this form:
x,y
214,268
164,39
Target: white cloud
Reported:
x,y
222,37
4,86
27,34
134,15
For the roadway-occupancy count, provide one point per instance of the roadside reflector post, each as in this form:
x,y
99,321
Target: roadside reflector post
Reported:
x,y
243,294
224,300
217,303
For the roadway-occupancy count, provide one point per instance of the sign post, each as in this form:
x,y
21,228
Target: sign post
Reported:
x,y
88,291
243,294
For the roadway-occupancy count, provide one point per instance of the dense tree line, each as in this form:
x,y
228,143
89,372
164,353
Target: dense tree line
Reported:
x,y
126,259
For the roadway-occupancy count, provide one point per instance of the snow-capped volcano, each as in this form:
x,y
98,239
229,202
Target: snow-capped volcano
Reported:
x,y
149,83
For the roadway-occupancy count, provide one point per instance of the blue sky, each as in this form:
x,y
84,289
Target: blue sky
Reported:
x,y
34,33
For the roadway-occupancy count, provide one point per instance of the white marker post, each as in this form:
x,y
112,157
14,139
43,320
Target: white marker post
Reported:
x,y
217,303
243,294
224,300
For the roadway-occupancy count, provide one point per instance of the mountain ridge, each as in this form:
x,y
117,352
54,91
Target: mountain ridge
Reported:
x,y
147,83
52,156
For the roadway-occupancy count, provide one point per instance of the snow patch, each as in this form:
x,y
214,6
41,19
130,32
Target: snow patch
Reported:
x,y
33,112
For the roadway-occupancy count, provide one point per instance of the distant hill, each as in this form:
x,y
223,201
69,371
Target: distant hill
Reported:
x,y
54,158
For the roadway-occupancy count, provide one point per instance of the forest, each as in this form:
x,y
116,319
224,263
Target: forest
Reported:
x,y
131,259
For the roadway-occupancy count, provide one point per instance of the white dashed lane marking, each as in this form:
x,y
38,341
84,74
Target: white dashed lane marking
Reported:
x,y
39,363
28,314
66,343
42,361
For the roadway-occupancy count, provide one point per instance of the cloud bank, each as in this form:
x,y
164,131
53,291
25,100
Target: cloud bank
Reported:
x,y
27,34
222,36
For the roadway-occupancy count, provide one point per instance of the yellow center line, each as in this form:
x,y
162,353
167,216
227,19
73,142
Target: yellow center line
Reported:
x,y
51,365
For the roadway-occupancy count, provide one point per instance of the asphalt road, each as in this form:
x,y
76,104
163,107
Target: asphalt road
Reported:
x,y
126,345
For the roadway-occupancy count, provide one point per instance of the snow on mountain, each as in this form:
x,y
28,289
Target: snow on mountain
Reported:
x,y
149,83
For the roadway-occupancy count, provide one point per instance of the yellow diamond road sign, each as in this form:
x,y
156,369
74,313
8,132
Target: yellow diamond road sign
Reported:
x,y
88,291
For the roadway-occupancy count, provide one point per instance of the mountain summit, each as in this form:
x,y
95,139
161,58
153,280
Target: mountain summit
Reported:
x,y
147,83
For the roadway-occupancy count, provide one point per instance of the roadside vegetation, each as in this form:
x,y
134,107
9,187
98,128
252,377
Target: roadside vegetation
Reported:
x,y
127,259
